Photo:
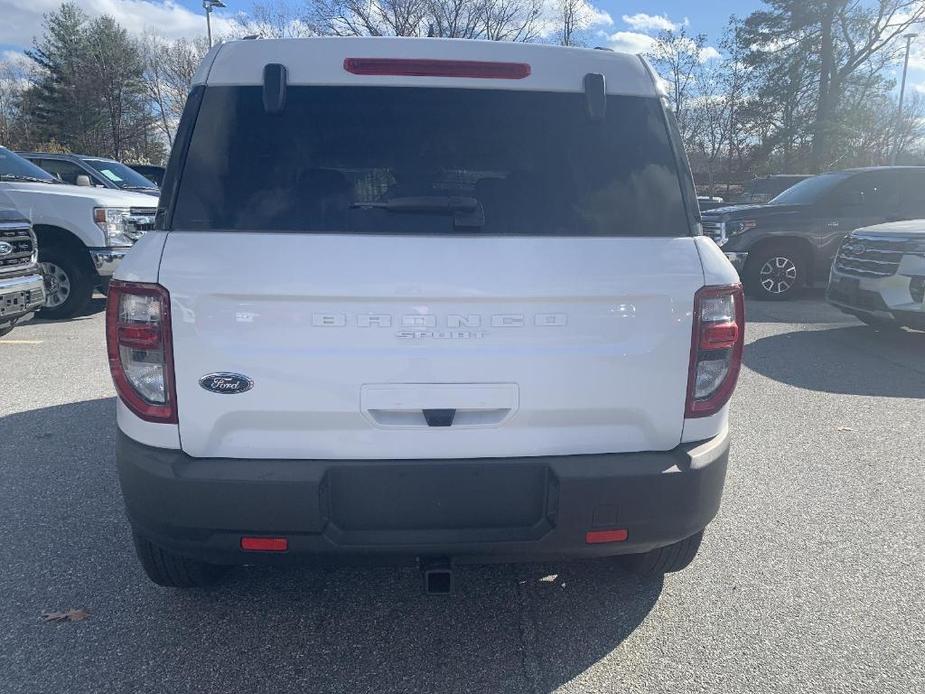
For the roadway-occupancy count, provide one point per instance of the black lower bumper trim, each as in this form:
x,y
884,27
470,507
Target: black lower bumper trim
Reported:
x,y
519,508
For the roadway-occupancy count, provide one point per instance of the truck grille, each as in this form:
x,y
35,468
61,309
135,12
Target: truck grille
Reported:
x,y
140,221
862,256
23,247
715,230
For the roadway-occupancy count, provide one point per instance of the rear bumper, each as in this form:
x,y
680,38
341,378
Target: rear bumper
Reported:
x,y
20,295
477,509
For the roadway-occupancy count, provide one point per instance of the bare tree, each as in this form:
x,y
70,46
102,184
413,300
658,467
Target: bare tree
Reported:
x,y
495,20
273,19
677,57
708,117
573,17
169,70
13,86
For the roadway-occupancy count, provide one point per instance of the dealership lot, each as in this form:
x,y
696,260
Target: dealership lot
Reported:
x,y
809,579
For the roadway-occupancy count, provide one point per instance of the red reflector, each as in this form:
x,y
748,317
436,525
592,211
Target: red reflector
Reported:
x,y
719,335
596,537
264,544
414,67
139,336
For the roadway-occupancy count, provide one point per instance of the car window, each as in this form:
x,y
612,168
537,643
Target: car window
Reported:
x,y
811,190
13,165
871,194
371,159
120,175
911,195
65,170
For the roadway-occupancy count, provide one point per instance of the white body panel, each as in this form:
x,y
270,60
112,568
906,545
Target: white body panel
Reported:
x,y
68,207
320,61
593,332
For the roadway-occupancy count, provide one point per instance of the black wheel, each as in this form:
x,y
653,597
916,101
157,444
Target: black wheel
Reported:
x,y
68,284
776,273
173,570
664,560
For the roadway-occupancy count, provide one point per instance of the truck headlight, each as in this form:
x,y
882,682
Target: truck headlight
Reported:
x,y
113,221
739,226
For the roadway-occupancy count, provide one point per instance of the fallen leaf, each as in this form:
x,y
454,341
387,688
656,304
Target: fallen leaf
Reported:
x,y
70,615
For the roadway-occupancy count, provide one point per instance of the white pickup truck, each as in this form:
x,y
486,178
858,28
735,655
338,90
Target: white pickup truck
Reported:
x,y
465,312
82,232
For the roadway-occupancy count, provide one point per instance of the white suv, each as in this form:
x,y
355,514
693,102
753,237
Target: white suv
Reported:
x,y
435,299
83,233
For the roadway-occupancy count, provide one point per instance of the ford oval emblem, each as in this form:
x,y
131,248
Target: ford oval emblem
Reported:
x,y
226,383
5,248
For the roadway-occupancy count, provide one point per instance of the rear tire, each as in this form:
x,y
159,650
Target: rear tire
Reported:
x,y
68,284
664,560
173,570
776,272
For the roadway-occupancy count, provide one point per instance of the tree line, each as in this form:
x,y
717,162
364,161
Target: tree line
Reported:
x,y
798,86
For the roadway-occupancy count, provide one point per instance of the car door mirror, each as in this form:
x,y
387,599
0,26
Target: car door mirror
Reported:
x,y
83,180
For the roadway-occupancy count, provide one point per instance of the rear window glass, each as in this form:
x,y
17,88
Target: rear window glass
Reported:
x,y
414,160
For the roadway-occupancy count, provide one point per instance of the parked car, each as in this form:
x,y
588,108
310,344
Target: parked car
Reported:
x,y
709,202
82,232
81,170
152,172
879,275
761,190
483,352
791,242
22,288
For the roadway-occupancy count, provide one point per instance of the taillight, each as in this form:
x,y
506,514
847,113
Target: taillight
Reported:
x,y
140,348
417,67
716,349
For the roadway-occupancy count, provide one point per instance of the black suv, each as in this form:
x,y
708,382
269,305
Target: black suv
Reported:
x,y
780,247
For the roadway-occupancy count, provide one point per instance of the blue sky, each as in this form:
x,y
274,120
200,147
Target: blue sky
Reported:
x,y
622,24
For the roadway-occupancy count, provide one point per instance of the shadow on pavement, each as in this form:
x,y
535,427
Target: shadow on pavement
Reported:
x,y
852,360
96,305
811,307
508,628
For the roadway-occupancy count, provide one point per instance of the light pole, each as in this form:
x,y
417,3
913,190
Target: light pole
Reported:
x,y
902,95
208,6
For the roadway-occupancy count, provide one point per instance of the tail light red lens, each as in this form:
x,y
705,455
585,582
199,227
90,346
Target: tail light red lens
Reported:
x,y
716,349
140,347
415,67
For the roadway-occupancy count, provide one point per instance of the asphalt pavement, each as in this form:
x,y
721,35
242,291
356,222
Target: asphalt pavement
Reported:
x,y
810,579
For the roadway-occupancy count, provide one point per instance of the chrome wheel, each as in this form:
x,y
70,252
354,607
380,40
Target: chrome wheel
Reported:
x,y
57,285
778,275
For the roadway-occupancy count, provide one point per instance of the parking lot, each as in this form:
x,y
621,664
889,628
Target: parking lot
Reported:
x,y
809,580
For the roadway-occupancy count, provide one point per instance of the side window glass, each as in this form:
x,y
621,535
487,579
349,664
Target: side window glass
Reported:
x,y
65,170
911,203
865,195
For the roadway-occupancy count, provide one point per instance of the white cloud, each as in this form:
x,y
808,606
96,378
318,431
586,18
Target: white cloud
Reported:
x,y
708,53
652,22
631,42
23,20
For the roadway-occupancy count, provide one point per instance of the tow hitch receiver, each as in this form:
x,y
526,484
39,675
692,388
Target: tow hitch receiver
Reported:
x,y
437,573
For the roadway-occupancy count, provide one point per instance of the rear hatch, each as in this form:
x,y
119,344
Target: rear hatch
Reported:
x,y
429,273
